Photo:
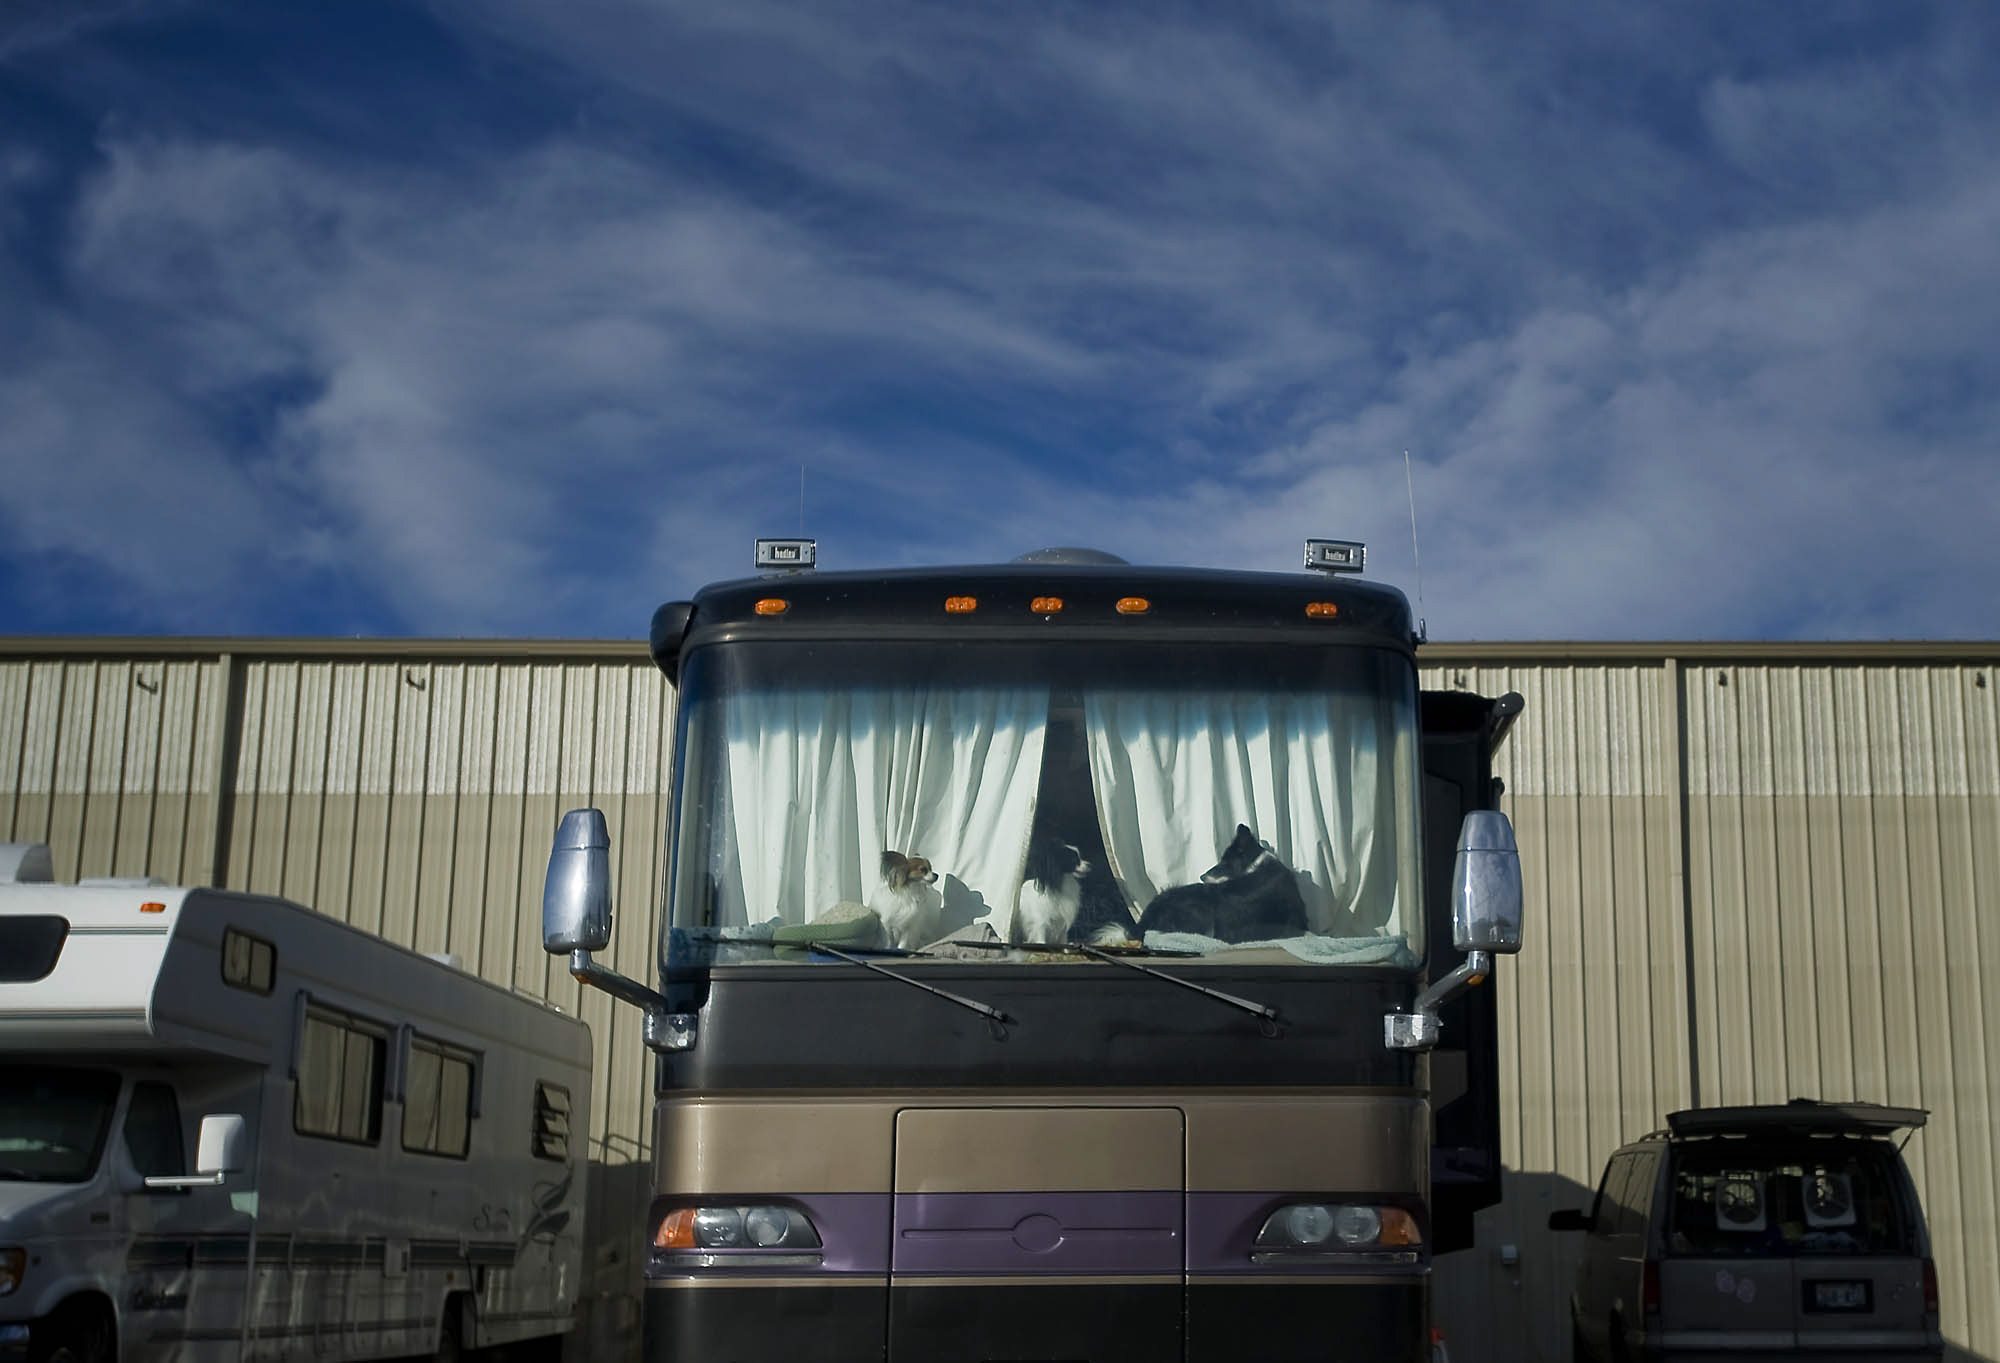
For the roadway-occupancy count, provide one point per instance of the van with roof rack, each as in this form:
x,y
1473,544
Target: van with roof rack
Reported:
x,y
1786,1230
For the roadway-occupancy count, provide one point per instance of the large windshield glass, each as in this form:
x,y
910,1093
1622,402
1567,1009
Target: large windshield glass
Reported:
x,y
53,1122
1005,801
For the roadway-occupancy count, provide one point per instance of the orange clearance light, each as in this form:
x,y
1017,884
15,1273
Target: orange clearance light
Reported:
x,y
960,605
152,906
1322,610
1399,1227
676,1230
773,605
1133,605
1046,605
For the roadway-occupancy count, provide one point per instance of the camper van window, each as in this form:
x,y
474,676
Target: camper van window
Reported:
x,y
153,1131
30,944
248,962
437,1101
551,1134
53,1122
339,1095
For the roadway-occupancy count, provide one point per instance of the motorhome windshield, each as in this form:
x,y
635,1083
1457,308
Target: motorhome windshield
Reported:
x,y
53,1122
803,764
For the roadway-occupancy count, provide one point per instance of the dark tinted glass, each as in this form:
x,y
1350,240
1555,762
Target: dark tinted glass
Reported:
x,y
1816,1197
153,1131
53,1122
29,946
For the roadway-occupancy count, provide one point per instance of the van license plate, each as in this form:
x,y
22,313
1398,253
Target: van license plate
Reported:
x,y
1839,1296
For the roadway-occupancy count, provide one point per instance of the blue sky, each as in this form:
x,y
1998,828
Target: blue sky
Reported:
x,y
511,318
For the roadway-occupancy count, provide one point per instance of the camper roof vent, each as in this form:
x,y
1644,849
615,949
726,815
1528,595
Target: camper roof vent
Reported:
x,y
26,863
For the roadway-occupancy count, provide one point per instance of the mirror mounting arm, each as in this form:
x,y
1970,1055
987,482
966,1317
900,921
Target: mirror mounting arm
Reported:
x,y
666,1030
159,1181
1419,1029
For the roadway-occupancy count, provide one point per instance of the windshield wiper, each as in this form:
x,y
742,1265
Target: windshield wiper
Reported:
x,y
996,1021
1268,1021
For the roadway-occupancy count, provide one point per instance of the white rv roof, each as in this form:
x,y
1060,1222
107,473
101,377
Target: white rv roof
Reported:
x,y
100,990
122,967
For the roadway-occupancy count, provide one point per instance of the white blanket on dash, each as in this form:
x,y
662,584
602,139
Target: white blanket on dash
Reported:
x,y
1310,947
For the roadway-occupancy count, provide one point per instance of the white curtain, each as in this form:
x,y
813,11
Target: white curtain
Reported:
x,y
821,783
1314,775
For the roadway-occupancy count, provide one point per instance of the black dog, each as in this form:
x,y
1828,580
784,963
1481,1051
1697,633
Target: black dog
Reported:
x,y
1248,896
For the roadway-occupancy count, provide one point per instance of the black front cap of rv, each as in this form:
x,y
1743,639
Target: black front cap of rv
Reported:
x,y
1084,602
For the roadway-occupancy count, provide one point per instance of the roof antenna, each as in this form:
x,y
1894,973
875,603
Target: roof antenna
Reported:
x,y
802,500
1410,486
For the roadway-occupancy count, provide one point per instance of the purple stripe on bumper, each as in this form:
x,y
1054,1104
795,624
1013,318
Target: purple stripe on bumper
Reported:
x,y
1029,1233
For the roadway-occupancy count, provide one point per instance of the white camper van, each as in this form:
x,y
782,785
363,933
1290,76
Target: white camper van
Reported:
x,y
231,1128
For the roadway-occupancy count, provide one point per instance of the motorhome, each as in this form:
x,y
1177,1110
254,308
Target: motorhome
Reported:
x,y
1226,1140
383,1160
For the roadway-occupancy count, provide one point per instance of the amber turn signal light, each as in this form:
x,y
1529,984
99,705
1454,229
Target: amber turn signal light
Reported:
x,y
773,605
960,605
1133,605
1322,610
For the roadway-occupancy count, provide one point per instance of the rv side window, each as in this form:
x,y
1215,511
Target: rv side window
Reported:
x,y
248,962
551,1121
339,1094
30,945
437,1100
153,1131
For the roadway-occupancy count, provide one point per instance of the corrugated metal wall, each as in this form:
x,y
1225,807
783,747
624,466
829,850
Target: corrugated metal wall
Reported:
x,y
405,792
1753,873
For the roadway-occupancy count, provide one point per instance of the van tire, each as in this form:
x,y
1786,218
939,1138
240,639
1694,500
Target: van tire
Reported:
x,y
80,1333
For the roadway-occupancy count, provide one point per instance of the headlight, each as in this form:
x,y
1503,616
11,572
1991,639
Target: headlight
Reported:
x,y
13,1264
1348,1231
741,1236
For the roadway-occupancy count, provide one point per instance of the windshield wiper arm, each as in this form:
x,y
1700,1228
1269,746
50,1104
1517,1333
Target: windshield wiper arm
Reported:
x,y
1268,1021
995,1019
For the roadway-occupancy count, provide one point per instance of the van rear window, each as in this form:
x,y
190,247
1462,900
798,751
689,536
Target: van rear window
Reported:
x,y
30,945
1828,1198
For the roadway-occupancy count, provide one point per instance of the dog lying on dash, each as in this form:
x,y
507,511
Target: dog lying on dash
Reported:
x,y
1247,896
907,901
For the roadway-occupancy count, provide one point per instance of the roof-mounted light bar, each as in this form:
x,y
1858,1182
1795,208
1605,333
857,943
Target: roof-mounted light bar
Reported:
x,y
787,556
1336,556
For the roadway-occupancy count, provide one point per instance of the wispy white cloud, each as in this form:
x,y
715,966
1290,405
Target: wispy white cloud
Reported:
x,y
1668,333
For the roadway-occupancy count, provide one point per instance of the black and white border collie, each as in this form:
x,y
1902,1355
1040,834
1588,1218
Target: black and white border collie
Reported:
x,y
1247,896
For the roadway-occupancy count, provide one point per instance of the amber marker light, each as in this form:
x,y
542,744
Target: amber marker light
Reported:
x,y
960,605
1399,1227
152,906
676,1230
1133,605
1046,605
1322,610
773,605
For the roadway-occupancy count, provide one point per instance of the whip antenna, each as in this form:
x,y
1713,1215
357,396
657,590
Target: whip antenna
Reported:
x,y
1410,486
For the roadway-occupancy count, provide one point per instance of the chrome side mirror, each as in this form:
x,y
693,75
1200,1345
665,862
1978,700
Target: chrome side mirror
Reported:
x,y
223,1147
576,896
1486,885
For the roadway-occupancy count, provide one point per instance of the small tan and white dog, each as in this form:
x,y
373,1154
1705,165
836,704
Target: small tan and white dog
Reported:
x,y
906,900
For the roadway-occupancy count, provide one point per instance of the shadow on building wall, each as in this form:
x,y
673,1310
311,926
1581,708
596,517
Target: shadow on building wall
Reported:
x,y
607,1317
